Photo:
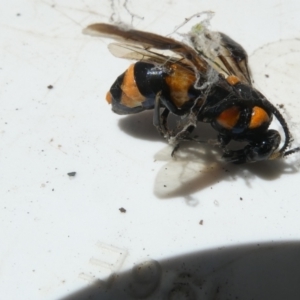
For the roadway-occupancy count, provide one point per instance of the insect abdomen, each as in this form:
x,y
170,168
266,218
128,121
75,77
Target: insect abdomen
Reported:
x,y
135,90
131,92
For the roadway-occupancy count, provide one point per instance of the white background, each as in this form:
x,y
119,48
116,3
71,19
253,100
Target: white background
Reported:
x,y
60,234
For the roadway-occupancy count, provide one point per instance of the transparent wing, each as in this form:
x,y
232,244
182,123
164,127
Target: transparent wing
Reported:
x,y
228,57
138,53
234,58
148,41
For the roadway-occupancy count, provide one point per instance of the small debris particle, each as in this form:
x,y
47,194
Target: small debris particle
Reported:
x,y
201,222
241,198
122,210
267,75
50,87
18,14
165,185
52,190
281,105
72,174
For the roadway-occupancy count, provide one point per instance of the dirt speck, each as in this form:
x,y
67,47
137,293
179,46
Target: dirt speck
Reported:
x,y
122,210
216,203
71,174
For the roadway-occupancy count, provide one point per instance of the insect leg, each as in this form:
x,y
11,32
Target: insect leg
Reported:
x,y
164,119
160,119
171,107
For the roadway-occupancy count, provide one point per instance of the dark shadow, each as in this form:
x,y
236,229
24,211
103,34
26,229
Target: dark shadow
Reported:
x,y
259,271
140,126
197,166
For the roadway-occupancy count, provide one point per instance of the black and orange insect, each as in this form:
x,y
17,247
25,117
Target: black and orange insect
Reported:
x,y
200,86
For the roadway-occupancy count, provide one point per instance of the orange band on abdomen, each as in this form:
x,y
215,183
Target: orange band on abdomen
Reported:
x,y
229,117
259,116
131,96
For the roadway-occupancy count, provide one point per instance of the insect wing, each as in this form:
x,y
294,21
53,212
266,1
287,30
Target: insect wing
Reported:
x,y
148,40
136,52
234,59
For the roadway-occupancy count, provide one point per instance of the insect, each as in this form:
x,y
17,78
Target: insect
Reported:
x,y
198,83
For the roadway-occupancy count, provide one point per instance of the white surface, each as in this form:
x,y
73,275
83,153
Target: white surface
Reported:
x,y
60,234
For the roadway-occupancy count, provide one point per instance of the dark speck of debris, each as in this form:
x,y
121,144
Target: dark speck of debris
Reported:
x,y
122,210
281,105
267,75
50,87
241,198
201,222
18,14
165,185
72,174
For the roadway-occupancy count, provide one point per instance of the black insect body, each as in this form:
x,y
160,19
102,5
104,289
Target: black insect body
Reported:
x,y
201,86
136,89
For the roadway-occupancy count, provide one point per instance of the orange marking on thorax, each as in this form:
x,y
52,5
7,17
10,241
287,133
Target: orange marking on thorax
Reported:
x,y
229,117
232,80
259,116
179,82
131,96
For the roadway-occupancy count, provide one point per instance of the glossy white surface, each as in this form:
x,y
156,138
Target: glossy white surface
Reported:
x,y
62,234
